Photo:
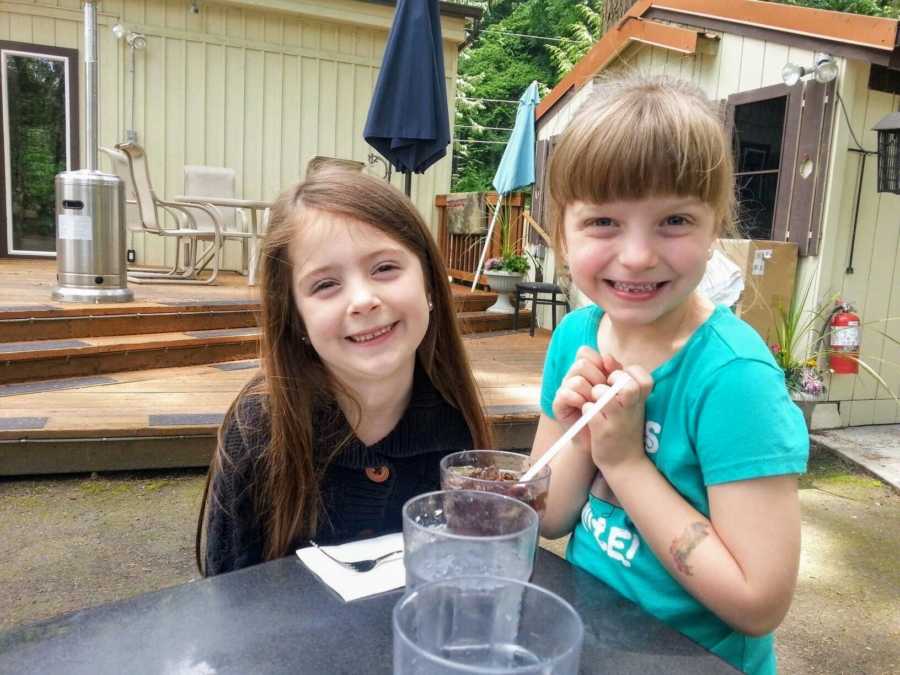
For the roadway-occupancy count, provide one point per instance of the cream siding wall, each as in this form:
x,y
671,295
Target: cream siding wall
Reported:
x,y
874,287
237,85
741,64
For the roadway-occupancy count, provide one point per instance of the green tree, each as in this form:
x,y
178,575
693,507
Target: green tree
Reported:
x,y
579,38
500,66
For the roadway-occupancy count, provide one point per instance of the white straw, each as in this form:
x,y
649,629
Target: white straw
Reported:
x,y
555,449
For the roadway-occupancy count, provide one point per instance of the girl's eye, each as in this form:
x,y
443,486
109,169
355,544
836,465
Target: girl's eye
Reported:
x,y
323,285
385,267
677,221
600,222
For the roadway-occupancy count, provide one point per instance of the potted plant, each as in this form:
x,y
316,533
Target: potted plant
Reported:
x,y
800,347
506,270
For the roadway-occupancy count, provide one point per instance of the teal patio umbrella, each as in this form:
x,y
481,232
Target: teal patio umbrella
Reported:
x,y
516,168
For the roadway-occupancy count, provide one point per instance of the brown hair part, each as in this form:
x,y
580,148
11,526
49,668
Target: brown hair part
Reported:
x,y
295,380
637,137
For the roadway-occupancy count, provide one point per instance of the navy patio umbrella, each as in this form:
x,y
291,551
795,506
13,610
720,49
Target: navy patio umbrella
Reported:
x,y
408,122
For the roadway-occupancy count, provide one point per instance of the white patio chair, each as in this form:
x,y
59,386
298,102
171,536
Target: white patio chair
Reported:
x,y
185,214
133,223
214,181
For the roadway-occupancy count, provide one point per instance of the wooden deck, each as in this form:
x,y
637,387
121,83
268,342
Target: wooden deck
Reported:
x,y
26,287
145,384
168,417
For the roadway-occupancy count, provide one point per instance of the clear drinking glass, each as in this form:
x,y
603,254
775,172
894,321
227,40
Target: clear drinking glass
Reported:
x,y
485,625
467,532
496,471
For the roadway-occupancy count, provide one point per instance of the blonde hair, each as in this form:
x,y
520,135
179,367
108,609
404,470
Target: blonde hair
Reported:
x,y
639,136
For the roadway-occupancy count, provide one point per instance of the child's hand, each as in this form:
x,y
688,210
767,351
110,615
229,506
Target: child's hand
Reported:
x,y
575,391
617,432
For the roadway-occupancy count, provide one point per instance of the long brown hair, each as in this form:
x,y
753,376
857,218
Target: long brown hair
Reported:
x,y
294,378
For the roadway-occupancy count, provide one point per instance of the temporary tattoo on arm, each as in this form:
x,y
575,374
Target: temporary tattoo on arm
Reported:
x,y
681,547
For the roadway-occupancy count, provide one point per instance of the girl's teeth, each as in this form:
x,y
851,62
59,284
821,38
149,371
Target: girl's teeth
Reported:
x,y
635,288
371,336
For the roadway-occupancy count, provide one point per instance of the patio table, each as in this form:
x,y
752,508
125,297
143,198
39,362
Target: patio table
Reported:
x,y
251,205
279,618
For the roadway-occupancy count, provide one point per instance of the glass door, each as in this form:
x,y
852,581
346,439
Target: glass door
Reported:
x,y
39,135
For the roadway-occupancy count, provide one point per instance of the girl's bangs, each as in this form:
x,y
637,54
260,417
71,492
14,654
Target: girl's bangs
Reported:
x,y
643,145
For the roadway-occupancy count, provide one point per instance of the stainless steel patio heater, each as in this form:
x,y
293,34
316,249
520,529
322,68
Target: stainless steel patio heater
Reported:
x,y
90,209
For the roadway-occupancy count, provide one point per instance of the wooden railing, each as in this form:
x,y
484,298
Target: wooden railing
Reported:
x,y
461,251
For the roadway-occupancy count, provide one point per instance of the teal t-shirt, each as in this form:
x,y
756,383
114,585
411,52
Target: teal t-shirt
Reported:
x,y
719,412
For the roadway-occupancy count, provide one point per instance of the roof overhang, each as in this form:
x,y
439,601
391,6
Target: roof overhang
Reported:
x,y
630,29
868,38
446,8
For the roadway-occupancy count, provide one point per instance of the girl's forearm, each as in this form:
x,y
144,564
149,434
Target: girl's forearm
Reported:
x,y
571,474
687,544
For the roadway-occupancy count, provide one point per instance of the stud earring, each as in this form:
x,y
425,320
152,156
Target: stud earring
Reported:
x,y
304,340
430,305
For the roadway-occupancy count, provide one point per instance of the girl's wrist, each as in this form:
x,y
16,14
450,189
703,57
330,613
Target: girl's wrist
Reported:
x,y
623,467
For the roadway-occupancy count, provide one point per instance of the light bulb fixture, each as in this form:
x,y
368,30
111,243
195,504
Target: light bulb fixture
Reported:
x,y
118,30
195,8
792,73
824,70
136,41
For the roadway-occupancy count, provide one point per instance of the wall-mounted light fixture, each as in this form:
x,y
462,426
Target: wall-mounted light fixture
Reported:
x,y
136,42
825,69
888,129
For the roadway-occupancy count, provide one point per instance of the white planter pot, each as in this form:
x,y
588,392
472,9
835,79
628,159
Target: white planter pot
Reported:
x,y
504,285
806,403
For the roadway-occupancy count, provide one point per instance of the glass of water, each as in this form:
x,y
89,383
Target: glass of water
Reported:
x,y
481,625
467,532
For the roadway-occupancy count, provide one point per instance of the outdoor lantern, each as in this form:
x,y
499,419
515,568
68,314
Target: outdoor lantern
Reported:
x,y
888,129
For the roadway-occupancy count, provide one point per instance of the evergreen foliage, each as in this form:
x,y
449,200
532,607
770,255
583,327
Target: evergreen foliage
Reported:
x,y
499,66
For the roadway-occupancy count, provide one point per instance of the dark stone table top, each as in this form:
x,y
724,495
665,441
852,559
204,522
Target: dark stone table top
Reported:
x,y
279,618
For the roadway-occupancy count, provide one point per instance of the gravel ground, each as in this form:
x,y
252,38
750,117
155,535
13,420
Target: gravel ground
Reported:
x,y
72,542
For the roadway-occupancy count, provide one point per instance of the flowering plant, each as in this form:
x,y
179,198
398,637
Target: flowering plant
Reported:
x,y
800,377
508,260
797,348
516,264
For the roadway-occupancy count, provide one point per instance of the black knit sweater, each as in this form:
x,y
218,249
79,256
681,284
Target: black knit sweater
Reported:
x,y
355,505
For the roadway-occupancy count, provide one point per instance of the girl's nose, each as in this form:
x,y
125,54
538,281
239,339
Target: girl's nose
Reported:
x,y
363,299
637,254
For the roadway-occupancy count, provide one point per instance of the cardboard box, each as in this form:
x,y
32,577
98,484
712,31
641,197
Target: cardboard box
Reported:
x,y
770,271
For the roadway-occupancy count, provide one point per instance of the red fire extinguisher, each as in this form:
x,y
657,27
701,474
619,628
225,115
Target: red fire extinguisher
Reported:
x,y
843,353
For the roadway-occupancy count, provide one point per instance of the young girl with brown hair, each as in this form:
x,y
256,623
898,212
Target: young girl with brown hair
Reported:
x,y
364,382
682,493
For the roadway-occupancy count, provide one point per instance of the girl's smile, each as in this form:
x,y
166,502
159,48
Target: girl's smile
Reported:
x,y
636,291
373,337
641,259
361,295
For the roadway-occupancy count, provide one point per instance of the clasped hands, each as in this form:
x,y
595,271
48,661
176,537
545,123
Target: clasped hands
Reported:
x,y
616,434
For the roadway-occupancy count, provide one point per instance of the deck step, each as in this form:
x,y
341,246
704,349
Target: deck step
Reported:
x,y
37,322
37,359
64,324
166,418
42,359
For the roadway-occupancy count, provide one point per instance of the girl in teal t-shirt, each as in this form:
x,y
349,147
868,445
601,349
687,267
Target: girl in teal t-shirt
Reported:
x,y
682,493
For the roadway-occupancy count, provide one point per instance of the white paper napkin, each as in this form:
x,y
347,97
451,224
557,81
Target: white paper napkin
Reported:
x,y
352,585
